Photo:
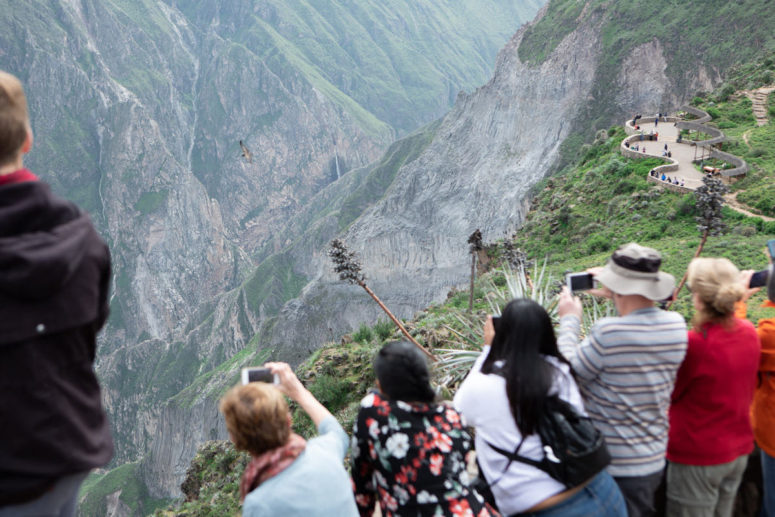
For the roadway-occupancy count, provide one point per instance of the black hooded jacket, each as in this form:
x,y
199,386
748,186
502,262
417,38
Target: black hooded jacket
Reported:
x,y
54,281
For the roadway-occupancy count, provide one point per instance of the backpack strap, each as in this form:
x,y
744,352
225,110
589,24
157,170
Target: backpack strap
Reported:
x,y
514,456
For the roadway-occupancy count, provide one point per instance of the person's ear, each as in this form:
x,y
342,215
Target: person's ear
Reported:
x,y
27,142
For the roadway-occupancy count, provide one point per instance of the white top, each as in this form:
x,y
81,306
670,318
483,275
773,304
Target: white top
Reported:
x,y
482,401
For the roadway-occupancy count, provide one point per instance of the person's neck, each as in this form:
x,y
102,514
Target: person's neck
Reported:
x,y
14,166
625,304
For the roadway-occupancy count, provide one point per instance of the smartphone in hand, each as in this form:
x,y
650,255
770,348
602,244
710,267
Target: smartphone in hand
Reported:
x,y
580,281
256,374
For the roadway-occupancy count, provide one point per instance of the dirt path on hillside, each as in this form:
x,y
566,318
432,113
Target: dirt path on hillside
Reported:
x,y
735,205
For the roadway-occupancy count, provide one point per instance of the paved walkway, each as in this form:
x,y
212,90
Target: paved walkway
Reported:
x,y
683,153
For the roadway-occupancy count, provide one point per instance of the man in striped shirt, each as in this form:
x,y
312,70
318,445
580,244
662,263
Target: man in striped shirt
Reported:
x,y
626,368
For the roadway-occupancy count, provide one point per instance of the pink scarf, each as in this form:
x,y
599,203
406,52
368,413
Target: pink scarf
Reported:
x,y
269,464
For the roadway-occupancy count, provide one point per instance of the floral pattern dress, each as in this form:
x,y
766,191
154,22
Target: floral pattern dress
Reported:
x,y
412,456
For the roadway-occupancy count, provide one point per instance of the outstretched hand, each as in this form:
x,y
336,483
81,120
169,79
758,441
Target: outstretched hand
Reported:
x,y
287,383
745,281
569,304
602,291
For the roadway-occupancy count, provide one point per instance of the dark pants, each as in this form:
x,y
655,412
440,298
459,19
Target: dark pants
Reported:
x,y
640,493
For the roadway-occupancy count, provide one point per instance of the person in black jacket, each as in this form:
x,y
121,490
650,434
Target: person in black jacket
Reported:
x,y
54,281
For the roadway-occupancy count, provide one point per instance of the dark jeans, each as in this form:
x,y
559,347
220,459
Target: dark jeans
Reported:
x,y
768,472
59,501
600,498
640,493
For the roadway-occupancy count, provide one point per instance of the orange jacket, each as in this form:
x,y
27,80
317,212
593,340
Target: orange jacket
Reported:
x,y
763,408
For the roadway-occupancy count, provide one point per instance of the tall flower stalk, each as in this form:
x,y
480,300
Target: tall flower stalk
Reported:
x,y
348,268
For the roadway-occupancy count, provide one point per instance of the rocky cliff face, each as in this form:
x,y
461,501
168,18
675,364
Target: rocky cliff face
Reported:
x,y
138,108
417,205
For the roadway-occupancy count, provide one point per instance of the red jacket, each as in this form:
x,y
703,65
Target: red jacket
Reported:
x,y
710,408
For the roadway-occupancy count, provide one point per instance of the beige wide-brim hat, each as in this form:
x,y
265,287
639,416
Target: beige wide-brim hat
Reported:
x,y
634,269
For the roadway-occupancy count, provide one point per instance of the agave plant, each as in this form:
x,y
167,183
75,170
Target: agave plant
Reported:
x,y
456,360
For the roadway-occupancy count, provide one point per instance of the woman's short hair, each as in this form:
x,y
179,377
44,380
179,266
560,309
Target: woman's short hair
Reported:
x,y
716,282
403,373
257,417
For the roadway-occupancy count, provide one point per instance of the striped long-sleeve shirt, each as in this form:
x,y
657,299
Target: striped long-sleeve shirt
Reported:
x,y
626,369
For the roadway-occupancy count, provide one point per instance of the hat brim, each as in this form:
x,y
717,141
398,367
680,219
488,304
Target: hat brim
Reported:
x,y
658,287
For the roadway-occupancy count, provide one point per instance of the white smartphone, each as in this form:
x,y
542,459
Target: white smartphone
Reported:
x,y
256,374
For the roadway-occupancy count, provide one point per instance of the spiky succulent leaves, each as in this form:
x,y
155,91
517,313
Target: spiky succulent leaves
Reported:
x,y
710,200
346,264
475,241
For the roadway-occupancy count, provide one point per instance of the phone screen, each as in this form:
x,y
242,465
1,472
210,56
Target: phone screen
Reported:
x,y
580,281
257,375
759,278
771,248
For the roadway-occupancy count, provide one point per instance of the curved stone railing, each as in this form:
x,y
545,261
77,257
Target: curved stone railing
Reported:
x,y
669,186
629,128
716,135
701,115
741,167
671,166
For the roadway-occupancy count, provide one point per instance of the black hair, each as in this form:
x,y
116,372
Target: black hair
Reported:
x,y
403,373
524,335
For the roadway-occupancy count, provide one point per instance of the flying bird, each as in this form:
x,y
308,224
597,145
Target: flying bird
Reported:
x,y
246,152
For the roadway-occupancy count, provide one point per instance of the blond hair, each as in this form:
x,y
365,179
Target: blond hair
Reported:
x,y
257,417
716,282
14,119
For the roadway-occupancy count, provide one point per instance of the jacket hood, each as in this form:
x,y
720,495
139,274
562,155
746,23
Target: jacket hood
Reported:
x,y
41,255
36,265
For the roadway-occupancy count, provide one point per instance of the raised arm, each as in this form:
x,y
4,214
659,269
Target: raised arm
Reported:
x,y
290,385
584,357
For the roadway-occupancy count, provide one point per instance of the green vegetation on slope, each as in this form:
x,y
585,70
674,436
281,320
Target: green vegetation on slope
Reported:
x,y
732,112
124,479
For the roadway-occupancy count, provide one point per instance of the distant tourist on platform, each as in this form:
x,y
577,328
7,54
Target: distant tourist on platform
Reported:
x,y
663,176
656,121
682,182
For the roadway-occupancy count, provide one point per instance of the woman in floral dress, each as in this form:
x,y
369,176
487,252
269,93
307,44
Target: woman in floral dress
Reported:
x,y
408,451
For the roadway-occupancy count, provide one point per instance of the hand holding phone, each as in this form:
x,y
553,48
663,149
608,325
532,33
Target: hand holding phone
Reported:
x,y
759,279
256,374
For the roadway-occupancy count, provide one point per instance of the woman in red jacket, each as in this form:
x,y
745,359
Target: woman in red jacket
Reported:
x,y
710,433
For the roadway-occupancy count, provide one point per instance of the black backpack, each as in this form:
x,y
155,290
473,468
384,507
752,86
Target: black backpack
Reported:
x,y
574,450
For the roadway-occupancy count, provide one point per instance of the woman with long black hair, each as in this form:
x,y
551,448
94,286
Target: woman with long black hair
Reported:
x,y
503,398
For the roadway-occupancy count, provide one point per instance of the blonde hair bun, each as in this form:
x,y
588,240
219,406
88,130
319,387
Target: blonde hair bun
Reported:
x,y
727,296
